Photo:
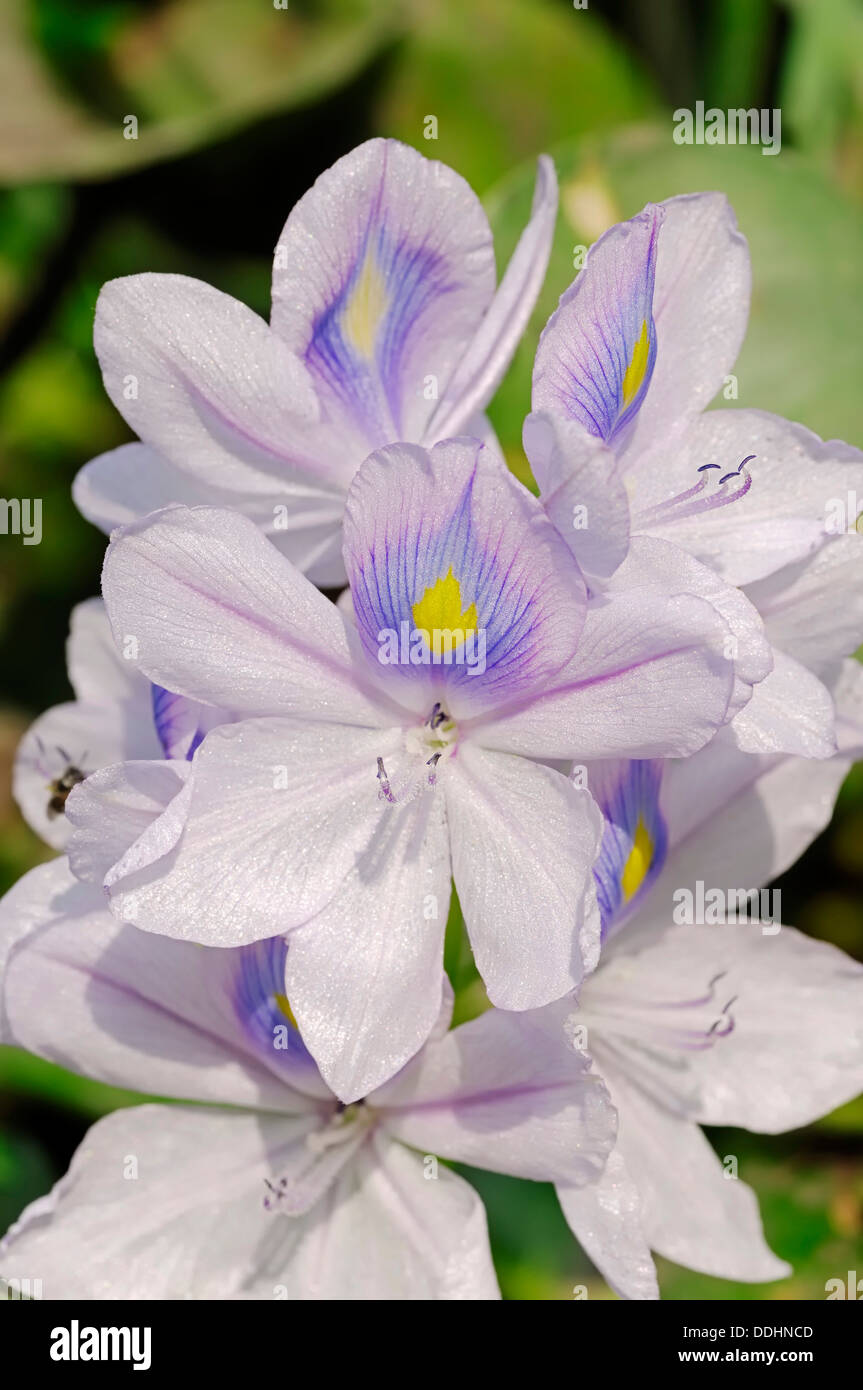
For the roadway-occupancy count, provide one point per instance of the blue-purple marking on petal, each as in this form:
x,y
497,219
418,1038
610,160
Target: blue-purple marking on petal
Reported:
x,y
371,385
630,797
590,344
398,570
259,986
177,722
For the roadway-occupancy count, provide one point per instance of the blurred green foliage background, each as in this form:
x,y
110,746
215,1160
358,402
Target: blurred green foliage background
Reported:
x,y
240,104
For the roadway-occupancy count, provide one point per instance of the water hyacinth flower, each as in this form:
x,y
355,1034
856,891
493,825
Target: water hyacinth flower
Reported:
x,y
116,715
342,813
385,326
705,1008
621,446
267,1188
641,343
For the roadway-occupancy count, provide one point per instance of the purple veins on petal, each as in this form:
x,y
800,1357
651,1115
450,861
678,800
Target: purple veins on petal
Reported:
x,y
597,354
635,839
358,342
260,1004
177,723
452,555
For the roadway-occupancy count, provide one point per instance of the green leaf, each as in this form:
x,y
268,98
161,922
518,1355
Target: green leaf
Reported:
x,y
536,1256
820,88
194,71
737,57
31,222
22,1073
25,1173
848,1119
505,79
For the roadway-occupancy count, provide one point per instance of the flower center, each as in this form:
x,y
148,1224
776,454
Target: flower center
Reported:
x,y
424,748
300,1187
347,1123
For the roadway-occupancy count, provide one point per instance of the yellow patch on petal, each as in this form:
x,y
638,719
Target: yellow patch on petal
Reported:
x,y
285,1009
365,309
637,866
634,374
439,613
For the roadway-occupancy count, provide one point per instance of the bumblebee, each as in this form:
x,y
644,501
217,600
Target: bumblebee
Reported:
x,y
61,786
60,789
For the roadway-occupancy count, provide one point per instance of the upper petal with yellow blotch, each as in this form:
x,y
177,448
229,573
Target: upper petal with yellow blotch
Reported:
x,y
596,354
463,591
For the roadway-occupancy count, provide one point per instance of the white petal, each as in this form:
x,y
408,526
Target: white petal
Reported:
x,y
166,1203
386,1232
275,813
414,516
97,672
700,307
302,519
666,569
813,609
783,517
482,367
691,1212
109,812
382,273
126,1008
580,490
847,689
125,484
22,911
205,382
84,737
506,1092
790,711
795,1051
738,820
364,976
606,1217
210,609
523,845
650,679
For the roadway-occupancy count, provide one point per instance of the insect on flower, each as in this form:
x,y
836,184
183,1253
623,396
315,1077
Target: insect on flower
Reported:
x,y
61,786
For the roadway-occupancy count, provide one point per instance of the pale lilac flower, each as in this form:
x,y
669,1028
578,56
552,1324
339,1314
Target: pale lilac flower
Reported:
x,y
385,326
695,1016
643,340
283,1193
117,715
341,815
